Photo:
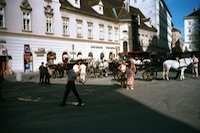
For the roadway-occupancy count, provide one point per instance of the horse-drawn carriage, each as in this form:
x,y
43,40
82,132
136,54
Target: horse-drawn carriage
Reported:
x,y
142,61
60,70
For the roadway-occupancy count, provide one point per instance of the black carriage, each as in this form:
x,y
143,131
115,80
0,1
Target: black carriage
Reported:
x,y
143,62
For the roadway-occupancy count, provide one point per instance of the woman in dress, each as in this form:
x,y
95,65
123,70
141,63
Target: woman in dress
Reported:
x,y
122,69
130,72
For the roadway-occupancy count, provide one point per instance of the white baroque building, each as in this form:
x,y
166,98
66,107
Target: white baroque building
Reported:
x,y
52,29
35,31
161,19
192,31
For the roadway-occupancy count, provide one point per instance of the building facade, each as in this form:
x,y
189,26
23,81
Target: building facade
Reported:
x,y
177,43
51,31
192,31
161,19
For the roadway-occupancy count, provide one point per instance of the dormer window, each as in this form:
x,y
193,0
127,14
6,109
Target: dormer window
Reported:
x,y
98,8
75,3
138,18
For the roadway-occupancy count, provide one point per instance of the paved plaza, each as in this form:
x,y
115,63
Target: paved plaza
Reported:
x,y
156,106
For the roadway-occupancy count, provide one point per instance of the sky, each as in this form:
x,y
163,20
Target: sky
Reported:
x,y
180,9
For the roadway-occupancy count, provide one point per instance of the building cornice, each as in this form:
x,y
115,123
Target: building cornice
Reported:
x,y
10,34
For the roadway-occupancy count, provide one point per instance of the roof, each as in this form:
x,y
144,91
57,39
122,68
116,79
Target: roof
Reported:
x,y
196,13
112,10
174,30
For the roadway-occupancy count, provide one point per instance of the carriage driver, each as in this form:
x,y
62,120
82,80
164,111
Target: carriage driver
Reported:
x,y
195,66
178,70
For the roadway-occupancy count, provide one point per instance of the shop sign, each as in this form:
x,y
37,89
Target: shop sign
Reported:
x,y
72,52
26,49
110,47
41,49
97,47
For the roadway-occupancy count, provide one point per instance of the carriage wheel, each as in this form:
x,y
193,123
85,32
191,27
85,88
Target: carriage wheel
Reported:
x,y
148,75
154,75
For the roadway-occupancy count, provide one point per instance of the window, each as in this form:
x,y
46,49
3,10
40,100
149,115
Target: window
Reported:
x,y
90,54
135,1
116,34
26,15
190,38
49,19
109,33
101,32
79,32
49,27
76,1
90,30
26,21
189,22
189,30
2,22
65,26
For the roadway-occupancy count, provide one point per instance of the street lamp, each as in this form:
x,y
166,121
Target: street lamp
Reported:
x,y
73,50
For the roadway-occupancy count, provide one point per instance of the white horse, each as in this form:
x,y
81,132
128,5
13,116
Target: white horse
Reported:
x,y
181,65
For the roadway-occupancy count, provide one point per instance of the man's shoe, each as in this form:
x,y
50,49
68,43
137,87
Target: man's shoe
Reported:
x,y
80,104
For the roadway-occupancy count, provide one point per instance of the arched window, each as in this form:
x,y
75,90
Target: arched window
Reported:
x,y
111,56
90,54
65,57
125,44
51,56
79,54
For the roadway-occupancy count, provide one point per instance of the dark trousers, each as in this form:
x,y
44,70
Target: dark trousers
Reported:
x,y
115,72
71,86
47,78
42,78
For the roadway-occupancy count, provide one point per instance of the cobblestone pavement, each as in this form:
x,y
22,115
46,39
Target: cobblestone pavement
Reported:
x,y
156,106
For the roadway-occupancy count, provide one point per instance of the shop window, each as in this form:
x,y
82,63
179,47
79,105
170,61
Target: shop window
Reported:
x,y
90,54
65,57
51,56
101,56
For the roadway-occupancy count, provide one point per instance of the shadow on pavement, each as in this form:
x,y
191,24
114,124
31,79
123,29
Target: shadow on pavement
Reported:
x,y
105,111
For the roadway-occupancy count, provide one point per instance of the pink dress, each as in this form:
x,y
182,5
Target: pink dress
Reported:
x,y
130,77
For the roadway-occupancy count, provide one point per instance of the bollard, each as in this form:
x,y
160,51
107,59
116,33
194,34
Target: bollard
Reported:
x,y
18,77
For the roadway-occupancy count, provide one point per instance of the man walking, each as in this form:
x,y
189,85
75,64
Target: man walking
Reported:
x,y
71,86
41,73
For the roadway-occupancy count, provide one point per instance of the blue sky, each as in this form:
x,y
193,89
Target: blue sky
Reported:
x,y
179,9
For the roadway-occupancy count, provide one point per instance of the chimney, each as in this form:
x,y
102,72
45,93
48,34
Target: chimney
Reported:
x,y
196,8
127,4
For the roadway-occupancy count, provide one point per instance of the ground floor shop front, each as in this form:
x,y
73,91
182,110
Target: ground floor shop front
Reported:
x,y
26,54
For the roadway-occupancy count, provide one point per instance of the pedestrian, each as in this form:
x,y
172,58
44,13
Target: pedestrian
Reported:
x,y
71,86
76,68
178,70
105,68
42,73
195,66
1,86
115,66
122,69
130,72
47,74
82,72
